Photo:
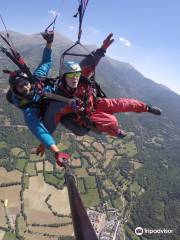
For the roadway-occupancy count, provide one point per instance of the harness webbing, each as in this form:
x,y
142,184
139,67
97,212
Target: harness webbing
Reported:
x,y
81,11
18,61
8,39
52,24
14,55
66,52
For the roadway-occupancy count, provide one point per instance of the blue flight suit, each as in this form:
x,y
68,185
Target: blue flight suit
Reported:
x,y
32,113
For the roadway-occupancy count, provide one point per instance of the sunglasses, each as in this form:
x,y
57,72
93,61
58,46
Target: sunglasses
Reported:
x,y
22,83
73,75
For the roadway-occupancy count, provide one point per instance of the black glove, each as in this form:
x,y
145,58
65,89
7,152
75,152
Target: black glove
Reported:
x,y
100,52
48,36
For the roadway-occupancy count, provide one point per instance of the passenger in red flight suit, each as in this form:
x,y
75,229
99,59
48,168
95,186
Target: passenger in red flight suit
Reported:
x,y
91,110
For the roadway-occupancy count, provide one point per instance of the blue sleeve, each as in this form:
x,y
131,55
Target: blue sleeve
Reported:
x,y
37,127
43,69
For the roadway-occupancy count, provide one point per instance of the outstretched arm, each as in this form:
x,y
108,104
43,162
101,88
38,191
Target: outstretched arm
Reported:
x,y
89,63
43,69
37,127
39,131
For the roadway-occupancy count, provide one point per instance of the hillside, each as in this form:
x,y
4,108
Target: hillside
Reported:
x,y
145,184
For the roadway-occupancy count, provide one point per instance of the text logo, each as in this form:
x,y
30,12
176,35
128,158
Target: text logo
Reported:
x,y
139,231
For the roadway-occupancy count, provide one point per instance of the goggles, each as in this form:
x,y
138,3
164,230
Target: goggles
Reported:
x,y
73,75
22,82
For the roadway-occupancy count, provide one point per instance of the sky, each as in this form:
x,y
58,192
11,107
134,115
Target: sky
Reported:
x,y
146,33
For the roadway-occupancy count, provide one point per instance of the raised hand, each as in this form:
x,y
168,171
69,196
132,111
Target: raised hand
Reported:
x,y
107,42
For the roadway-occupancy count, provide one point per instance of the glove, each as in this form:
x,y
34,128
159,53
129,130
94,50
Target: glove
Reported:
x,y
107,42
61,159
76,105
40,150
48,36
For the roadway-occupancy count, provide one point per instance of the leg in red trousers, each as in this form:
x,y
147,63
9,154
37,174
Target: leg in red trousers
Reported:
x,y
120,105
105,122
104,108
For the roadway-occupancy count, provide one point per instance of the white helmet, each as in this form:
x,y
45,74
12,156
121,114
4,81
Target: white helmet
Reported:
x,y
69,67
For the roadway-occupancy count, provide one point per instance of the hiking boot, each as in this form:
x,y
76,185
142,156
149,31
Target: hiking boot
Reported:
x,y
154,110
121,134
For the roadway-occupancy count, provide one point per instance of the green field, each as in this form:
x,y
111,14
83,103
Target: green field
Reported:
x,y
21,225
160,210
9,236
91,198
81,172
107,184
130,149
80,185
59,174
135,188
63,147
3,144
33,157
26,181
20,164
130,233
119,177
31,169
76,155
90,182
117,202
17,152
50,179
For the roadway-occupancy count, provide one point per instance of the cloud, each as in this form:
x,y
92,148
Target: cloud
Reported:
x,y
125,41
92,30
95,31
54,13
71,28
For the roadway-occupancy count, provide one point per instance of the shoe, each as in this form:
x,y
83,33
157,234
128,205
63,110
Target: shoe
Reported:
x,y
154,110
121,134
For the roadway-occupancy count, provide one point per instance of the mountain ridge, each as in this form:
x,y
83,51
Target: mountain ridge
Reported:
x,y
61,40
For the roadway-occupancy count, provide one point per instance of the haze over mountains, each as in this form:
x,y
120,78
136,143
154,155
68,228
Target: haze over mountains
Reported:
x,y
157,137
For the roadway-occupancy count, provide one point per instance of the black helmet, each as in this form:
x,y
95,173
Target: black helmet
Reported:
x,y
15,78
